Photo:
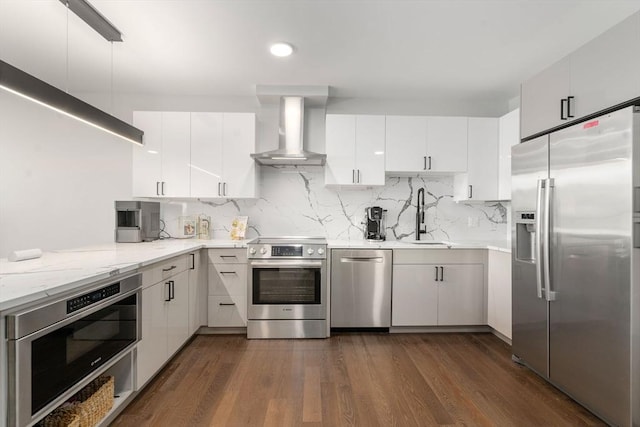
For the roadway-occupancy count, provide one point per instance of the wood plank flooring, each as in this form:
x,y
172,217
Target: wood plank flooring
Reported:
x,y
349,380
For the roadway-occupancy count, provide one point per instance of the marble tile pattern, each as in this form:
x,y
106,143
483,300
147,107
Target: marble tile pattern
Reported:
x,y
295,202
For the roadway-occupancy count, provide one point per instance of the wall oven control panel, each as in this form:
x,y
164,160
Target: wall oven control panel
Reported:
x,y
78,303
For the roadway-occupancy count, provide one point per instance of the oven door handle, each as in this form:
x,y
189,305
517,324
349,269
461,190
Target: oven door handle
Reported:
x,y
289,263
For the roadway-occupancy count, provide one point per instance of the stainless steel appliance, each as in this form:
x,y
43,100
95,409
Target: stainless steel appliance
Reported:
x,y
576,260
361,288
375,223
287,287
54,348
137,221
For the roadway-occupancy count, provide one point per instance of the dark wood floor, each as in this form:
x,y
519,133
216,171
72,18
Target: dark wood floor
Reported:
x,y
359,379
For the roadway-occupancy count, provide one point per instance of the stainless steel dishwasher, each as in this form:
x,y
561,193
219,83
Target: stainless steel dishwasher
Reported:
x,y
361,288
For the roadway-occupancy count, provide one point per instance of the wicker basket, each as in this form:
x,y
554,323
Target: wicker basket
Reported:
x,y
94,401
65,416
86,408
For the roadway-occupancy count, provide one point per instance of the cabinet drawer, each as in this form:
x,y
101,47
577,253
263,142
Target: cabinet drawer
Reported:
x,y
227,279
229,311
227,256
165,269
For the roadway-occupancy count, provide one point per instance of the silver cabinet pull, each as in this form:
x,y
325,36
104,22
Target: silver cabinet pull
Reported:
x,y
470,192
363,259
228,256
224,186
358,176
227,303
429,163
162,187
436,273
157,188
229,272
425,163
353,176
219,191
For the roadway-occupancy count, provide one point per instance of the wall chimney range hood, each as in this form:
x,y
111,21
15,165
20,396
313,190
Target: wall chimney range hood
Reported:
x,y
291,149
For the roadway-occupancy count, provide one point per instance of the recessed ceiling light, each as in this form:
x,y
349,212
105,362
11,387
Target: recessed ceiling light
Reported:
x,y
281,49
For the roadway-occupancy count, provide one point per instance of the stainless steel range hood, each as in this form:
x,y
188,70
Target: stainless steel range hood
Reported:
x,y
291,136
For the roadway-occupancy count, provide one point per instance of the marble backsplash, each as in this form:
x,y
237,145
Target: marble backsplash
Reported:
x,y
294,202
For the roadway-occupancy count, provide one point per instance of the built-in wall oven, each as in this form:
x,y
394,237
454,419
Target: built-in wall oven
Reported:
x,y
287,288
54,347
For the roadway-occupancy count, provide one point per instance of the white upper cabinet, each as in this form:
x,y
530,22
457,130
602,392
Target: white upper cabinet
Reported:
x,y
239,169
355,146
147,159
542,97
481,180
176,136
206,146
599,75
195,155
605,71
161,166
447,144
509,135
426,144
406,138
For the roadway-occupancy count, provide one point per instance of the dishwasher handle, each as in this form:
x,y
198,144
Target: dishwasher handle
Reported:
x,y
376,260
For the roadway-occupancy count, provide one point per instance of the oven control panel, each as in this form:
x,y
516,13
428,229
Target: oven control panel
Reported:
x,y
78,303
295,251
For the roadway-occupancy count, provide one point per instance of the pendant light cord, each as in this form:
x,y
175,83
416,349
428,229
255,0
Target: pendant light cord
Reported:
x,y
67,54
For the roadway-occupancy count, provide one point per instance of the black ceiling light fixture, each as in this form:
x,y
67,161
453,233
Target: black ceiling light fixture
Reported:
x,y
27,86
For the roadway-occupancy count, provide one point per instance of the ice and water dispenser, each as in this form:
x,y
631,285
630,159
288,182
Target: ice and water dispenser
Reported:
x,y
525,236
137,221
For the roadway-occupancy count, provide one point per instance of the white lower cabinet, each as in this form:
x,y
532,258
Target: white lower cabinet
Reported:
x,y
227,288
165,317
499,295
439,288
197,292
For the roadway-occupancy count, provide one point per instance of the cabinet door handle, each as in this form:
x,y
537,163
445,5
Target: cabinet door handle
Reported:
x,y
228,256
167,291
219,192
569,115
470,192
436,274
563,102
172,289
442,274
228,272
224,186
157,188
353,176
425,163
193,261
162,186
429,163
358,176
169,269
227,303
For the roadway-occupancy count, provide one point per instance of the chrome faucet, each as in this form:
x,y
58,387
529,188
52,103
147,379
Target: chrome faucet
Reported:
x,y
421,227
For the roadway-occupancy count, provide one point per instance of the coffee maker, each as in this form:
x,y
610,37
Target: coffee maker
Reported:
x,y
375,223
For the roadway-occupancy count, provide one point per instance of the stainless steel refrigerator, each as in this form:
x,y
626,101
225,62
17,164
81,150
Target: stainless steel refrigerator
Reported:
x,y
576,262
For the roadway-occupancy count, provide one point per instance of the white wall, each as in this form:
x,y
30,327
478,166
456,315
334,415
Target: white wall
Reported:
x,y
58,179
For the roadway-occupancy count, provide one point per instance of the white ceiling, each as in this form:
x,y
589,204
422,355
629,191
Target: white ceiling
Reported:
x,y
467,50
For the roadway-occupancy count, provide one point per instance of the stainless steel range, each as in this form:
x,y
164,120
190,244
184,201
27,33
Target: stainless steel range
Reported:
x,y
287,287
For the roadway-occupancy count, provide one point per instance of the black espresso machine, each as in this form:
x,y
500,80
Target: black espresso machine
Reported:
x,y
375,223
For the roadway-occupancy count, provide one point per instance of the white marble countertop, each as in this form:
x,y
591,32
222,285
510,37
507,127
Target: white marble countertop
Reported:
x,y
59,271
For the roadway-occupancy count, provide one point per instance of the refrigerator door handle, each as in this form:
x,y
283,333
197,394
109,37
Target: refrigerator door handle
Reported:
x,y
539,240
549,294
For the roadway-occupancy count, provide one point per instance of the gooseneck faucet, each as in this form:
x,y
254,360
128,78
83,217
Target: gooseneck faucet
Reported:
x,y
420,225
